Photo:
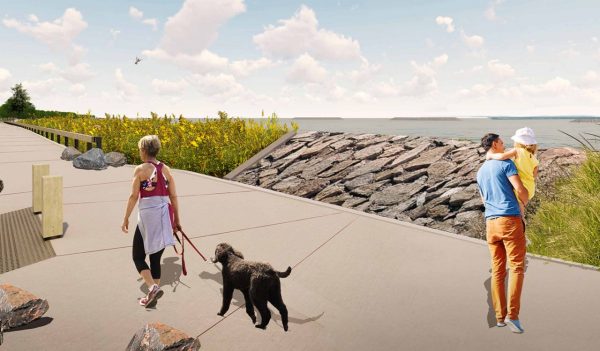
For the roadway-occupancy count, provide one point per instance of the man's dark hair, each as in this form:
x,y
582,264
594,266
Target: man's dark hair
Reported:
x,y
488,140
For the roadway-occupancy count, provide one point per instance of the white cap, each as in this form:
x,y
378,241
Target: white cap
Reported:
x,y
524,136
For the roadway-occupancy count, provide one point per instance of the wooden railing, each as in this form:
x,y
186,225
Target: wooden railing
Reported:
x,y
50,133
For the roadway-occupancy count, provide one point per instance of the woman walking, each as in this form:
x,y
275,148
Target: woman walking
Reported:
x,y
158,209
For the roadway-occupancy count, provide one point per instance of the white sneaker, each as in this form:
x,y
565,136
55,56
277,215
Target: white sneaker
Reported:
x,y
514,325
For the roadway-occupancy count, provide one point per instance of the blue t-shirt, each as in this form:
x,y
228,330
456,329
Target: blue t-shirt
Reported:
x,y
496,189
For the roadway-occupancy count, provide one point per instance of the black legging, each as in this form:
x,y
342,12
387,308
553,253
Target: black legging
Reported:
x,y
139,256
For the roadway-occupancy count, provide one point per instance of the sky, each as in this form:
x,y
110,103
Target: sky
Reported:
x,y
327,58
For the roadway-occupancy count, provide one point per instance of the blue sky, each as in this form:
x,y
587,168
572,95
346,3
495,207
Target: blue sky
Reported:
x,y
311,58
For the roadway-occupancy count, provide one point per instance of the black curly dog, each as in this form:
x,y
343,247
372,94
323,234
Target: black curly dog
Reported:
x,y
259,283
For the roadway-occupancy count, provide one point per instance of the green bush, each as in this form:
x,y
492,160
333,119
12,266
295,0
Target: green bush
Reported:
x,y
567,226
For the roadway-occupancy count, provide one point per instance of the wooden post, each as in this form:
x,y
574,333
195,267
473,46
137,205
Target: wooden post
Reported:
x,y
38,171
52,209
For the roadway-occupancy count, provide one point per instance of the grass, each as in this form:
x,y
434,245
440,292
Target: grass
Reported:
x,y
212,146
566,225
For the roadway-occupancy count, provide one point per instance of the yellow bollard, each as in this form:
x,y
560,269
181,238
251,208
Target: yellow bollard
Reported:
x,y
38,171
52,208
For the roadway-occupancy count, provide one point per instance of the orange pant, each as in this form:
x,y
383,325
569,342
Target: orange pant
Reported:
x,y
506,239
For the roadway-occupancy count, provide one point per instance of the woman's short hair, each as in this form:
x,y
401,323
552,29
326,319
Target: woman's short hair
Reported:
x,y
150,144
488,140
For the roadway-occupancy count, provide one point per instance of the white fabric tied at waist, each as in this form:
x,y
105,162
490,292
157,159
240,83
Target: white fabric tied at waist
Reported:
x,y
155,224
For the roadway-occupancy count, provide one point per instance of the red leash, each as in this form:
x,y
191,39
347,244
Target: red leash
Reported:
x,y
182,241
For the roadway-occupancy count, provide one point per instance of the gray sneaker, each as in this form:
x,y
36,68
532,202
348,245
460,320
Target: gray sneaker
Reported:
x,y
500,324
514,325
153,296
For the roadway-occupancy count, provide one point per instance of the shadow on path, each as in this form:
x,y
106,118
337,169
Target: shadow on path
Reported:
x,y
491,315
238,301
170,275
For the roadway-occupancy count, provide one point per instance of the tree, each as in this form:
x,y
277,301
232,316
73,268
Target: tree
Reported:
x,y
19,104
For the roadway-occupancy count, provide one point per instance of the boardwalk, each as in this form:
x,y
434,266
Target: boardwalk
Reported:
x,y
359,282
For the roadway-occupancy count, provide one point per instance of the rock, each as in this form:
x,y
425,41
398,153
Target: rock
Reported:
x,y
331,190
306,135
439,211
353,202
399,138
159,337
369,153
447,226
115,159
359,181
421,199
393,150
411,155
342,144
410,176
312,187
289,159
439,170
338,168
396,211
315,149
267,172
264,163
93,159
452,191
368,189
418,212
293,169
313,170
70,153
337,200
285,150
427,158
397,193
19,307
457,199
464,218
288,185
473,204
389,173
381,140
370,167
423,221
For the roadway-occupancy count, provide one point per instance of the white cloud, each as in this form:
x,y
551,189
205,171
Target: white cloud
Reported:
x,y
363,97
570,53
500,70
125,89
365,72
58,34
301,34
151,22
386,89
595,39
473,41
490,12
204,62
218,86
440,60
192,29
477,90
135,13
139,16
77,89
245,67
553,87
306,70
5,76
41,88
81,72
166,87
590,79
114,33
445,21
530,49
430,44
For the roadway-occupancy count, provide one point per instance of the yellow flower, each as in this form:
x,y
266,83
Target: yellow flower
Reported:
x,y
194,143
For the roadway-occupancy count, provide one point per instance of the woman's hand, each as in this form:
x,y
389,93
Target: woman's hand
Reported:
x,y
125,226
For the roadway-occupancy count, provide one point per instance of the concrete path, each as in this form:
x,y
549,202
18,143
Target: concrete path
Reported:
x,y
359,281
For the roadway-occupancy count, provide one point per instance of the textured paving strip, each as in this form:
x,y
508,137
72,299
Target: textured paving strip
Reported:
x,y
21,242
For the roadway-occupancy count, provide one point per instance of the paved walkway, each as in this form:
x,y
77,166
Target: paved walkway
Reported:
x,y
359,281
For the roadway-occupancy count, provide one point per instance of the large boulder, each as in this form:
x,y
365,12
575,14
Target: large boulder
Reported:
x,y
93,159
158,337
70,153
19,307
115,159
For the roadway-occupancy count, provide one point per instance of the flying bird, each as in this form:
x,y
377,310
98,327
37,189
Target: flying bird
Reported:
x,y
137,60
